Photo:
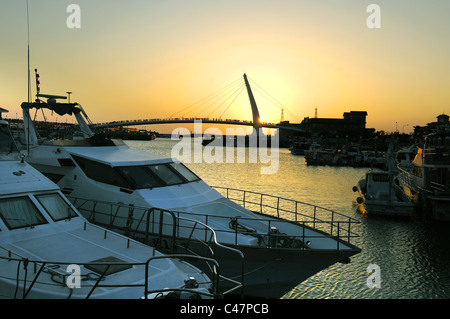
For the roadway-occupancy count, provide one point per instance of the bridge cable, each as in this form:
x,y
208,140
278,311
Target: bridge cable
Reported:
x,y
242,88
212,95
274,100
239,88
218,98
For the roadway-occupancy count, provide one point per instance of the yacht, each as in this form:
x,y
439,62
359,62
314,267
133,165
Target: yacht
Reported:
x,y
272,243
49,251
427,178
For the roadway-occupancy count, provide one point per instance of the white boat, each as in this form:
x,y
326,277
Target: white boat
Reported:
x,y
278,253
427,179
380,194
380,191
49,251
405,156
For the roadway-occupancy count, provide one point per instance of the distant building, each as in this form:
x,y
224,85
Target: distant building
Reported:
x,y
2,111
442,123
353,122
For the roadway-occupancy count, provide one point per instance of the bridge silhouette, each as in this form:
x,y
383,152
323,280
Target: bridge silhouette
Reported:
x,y
194,120
255,122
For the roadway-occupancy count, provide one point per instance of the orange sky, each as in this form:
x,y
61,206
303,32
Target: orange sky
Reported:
x,y
149,59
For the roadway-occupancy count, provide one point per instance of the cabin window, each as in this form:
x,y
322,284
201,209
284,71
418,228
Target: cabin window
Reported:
x,y
380,177
56,206
20,212
140,177
101,172
158,175
185,172
169,176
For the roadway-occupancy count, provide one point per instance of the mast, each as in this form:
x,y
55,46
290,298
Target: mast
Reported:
x,y
27,130
255,112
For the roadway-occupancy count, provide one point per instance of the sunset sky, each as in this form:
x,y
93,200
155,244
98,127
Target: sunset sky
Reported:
x,y
153,58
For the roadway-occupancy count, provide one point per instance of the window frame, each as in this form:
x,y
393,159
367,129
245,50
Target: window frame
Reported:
x,y
33,204
73,215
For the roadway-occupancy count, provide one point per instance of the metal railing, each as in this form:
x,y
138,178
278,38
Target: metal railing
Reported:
x,y
91,281
326,221
161,225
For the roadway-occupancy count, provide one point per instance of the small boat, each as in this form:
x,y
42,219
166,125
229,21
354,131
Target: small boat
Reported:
x,y
299,148
381,194
49,251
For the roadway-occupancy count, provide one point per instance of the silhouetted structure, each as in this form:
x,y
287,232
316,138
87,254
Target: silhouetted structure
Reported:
x,y
353,122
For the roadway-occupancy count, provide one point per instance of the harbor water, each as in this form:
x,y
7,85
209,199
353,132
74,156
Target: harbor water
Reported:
x,y
411,256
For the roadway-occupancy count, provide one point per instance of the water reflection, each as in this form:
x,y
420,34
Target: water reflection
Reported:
x,y
413,255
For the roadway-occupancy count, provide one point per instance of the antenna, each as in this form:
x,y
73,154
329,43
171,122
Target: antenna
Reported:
x,y
29,80
315,115
38,89
28,43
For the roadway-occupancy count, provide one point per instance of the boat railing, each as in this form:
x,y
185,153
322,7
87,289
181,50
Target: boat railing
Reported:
x,y
159,228
438,155
410,180
30,273
327,221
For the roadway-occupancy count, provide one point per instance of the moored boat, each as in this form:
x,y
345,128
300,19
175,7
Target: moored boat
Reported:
x,y
427,178
279,253
49,251
380,194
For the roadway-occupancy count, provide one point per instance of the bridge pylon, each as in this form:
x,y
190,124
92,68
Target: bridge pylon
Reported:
x,y
256,118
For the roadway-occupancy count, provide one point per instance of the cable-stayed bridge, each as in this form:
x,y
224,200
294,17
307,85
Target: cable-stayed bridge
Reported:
x,y
235,89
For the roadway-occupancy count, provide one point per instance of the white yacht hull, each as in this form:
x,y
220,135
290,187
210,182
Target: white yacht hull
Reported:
x,y
271,273
266,272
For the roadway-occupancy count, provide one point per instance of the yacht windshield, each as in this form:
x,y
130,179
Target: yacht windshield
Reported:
x,y
101,172
149,176
137,177
140,177
56,206
19,212
185,172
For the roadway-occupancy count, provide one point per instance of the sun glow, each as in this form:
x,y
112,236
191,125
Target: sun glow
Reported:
x,y
155,59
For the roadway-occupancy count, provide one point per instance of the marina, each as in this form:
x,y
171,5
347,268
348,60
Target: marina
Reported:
x,y
332,187
412,253
271,252
240,194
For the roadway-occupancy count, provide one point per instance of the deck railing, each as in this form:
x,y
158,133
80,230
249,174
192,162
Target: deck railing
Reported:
x,y
327,221
160,228
30,274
